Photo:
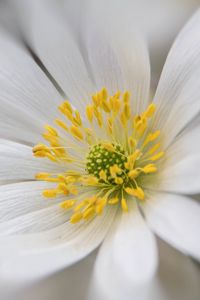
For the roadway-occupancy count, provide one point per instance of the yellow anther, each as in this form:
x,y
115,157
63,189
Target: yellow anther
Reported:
x,y
76,217
140,193
42,176
142,127
99,119
132,142
157,156
133,173
132,158
89,112
40,154
126,97
73,190
101,203
105,106
88,213
151,137
108,147
49,138
67,203
115,104
58,149
123,119
77,119
150,110
114,170
102,175
40,147
104,93
62,177
49,193
137,192
51,130
52,179
113,201
119,180
95,100
76,132
124,205
51,157
90,180
151,168
110,125
67,105
154,149
66,112
62,188
61,124
92,200
70,179
127,111
80,205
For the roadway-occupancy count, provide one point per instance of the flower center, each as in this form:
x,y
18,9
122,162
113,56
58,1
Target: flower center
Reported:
x,y
107,161
105,157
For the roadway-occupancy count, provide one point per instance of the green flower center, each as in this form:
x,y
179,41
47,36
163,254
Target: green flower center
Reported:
x,y
101,159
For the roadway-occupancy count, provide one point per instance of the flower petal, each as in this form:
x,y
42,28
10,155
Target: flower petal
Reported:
x,y
36,221
29,256
178,275
49,36
18,163
28,99
117,54
175,270
180,172
177,96
58,285
18,199
128,256
176,220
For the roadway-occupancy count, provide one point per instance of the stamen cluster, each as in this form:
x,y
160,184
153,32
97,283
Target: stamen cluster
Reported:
x,y
100,170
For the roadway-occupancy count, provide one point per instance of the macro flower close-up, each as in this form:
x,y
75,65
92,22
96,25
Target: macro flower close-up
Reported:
x,y
90,158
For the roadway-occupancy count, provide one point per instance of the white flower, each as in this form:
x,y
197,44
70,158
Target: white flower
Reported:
x,y
119,169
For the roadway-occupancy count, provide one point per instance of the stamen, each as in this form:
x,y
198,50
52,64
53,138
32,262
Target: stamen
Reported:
x,y
107,160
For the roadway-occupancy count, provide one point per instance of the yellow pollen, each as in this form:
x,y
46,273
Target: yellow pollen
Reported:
x,y
49,193
103,161
76,132
124,205
67,204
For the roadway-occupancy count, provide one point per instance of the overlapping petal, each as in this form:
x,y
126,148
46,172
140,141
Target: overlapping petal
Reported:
x,y
178,92
176,220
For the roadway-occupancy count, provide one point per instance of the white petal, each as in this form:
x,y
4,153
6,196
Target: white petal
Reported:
x,y
28,99
128,256
22,198
31,256
37,221
176,220
180,172
178,275
19,215
178,93
118,56
57,286
18,163
48,34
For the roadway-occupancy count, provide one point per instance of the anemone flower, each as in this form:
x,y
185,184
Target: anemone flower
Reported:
x,y
103,165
